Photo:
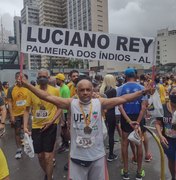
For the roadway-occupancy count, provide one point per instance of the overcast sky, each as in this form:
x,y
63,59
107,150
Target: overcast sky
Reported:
x,y
128,17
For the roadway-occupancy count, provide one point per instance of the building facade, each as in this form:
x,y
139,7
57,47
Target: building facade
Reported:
x,y
30,15
88,15
166,50
166,46
53,13
17,30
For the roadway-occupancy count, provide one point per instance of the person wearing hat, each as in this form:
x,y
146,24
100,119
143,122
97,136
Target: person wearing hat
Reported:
x,y
131,118
64,93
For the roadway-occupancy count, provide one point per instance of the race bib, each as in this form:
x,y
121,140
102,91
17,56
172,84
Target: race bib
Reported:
x,y
85,142
20,103
41,114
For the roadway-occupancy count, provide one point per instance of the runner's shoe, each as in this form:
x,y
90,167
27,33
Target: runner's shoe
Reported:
x,y
18,154
112,157
125,175
148,158
140,175
63,148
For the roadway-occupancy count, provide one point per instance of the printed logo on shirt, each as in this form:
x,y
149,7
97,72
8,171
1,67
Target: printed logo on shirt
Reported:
x,y
167,120
79,117
95,115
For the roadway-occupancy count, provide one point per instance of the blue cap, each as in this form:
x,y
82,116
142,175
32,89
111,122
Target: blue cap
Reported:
x,y
130,72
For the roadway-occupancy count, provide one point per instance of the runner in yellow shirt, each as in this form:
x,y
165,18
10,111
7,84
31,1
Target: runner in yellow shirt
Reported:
x,y
44,126
4,171
17,96
72,84
161,90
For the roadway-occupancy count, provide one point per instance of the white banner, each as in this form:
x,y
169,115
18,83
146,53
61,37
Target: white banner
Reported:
x,y
86,45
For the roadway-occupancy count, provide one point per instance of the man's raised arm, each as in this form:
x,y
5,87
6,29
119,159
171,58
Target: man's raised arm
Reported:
x,y
63,103
111,102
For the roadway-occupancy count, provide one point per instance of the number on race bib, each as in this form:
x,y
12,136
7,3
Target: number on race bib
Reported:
x,y
85,142
41,114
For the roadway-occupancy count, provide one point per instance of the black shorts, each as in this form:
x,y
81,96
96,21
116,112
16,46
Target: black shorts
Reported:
x,y
125,126
44,141
18,121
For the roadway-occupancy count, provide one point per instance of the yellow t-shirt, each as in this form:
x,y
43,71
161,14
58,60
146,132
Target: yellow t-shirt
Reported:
x,y
162,94
4,171
72,89
18,96
42,111
5,91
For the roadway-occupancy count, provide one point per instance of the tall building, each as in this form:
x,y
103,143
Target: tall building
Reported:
x,y
166,46
88,15
30,12
53,13
30,3
17,30
30,15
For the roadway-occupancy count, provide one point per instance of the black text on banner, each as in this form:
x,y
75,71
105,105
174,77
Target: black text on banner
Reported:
x,y
86,45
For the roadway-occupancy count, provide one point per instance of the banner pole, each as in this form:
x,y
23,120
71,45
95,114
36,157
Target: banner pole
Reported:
x,y
154,63
21,64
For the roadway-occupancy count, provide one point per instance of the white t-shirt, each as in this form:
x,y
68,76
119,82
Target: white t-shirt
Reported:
x,y
96,150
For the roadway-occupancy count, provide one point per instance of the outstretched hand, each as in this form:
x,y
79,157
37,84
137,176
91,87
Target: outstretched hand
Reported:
x,y
149,88
21,80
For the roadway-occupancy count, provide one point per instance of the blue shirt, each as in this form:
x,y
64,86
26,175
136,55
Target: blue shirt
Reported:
x,y
132,107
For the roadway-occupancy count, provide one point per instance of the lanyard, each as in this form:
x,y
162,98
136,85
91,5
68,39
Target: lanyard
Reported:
x,y
86,120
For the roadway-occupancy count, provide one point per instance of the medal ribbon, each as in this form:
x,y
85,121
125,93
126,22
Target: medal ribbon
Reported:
x,y
86,120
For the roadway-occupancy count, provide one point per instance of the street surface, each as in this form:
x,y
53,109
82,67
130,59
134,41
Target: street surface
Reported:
x,y
29,169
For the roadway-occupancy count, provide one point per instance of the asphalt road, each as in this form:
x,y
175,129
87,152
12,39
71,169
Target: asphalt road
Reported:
x,y
29,169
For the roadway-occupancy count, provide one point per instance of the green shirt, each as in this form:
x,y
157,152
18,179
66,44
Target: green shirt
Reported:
x,y
64,93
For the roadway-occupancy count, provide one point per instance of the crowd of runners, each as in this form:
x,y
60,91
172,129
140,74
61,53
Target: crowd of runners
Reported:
x,y
74,112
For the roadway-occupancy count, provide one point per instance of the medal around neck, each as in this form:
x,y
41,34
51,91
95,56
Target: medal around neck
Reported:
x,y
87,130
